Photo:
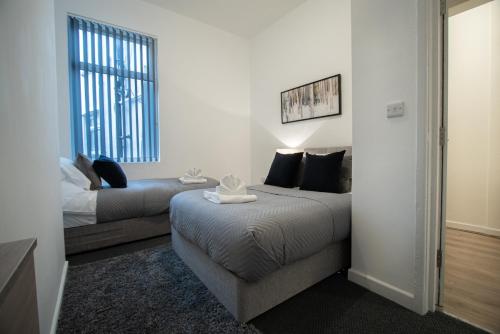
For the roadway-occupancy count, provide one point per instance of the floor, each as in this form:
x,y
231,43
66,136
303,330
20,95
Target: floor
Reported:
x,y
110,252
145,288
472,278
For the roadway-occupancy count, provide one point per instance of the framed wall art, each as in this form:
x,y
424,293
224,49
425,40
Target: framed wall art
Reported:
x,y
317,99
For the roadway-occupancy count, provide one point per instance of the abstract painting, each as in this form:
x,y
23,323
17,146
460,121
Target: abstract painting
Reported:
x,y
317,99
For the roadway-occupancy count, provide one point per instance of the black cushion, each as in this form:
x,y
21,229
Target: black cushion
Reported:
x,y
284,170
110,171
323,172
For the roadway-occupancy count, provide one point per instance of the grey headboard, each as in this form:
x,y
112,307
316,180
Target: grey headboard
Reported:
x,y
346,164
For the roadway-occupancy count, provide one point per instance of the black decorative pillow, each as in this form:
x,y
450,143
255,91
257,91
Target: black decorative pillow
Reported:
x,y
110,171
284,170
323,172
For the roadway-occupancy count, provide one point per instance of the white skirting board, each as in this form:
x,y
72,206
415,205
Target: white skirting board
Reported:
x,y
473,228
60,294
401,297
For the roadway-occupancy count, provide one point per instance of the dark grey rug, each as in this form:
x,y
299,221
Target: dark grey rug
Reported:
x,y
152,291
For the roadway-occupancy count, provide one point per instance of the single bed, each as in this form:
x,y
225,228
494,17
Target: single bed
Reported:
x,y
112,216
254,256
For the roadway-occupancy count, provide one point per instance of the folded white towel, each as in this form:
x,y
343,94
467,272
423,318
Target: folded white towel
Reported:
x,y
214,197
193,173
185,180
231,185
193,176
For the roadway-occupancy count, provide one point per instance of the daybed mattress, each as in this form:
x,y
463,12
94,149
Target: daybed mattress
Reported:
x,y
71,219
254,239
141,198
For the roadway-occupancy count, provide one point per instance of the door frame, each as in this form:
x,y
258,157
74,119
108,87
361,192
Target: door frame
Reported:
x,y
432,89
430,181
434,137
443,150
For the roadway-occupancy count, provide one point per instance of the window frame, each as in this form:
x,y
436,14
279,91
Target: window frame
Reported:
x,y
90,71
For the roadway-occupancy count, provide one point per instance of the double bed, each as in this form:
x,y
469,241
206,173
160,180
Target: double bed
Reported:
x,y
254,256
112,216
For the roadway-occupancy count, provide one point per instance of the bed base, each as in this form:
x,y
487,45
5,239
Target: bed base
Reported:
x,y
246,300
91,237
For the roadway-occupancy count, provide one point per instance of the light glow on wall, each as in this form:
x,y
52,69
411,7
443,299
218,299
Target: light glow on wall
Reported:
x,y
294,135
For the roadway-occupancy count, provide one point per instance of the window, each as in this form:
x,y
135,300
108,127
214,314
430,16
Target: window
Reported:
x,y
113,91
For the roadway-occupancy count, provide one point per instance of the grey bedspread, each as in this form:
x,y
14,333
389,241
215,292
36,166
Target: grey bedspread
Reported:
x,y
254,239
141,198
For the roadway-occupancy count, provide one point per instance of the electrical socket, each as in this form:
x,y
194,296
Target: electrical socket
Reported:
x,y
396,109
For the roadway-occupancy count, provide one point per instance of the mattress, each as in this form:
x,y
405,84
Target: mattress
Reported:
x,y
78,219
254,239
79,205
141,198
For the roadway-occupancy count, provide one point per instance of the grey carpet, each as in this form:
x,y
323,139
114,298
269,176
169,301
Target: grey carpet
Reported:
x,y
152,291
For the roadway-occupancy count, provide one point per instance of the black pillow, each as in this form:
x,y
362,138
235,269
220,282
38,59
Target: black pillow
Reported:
x,y
323,172
110,171
284,170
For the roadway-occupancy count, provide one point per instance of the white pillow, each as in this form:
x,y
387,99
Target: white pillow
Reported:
x,y
72,175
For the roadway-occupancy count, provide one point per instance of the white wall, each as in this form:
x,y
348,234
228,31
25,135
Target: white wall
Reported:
x,y
29,178
203,88
311,42
385,63
314,41
473,119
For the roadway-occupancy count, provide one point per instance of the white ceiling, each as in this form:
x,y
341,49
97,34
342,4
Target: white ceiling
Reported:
x,y
245,18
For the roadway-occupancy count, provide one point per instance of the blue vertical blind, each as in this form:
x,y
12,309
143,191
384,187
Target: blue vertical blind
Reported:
x,y
114,110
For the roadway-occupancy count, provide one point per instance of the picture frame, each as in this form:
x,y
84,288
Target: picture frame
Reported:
x,y
318,99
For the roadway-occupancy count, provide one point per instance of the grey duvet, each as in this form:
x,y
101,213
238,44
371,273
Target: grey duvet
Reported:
x,y
254,239
141,198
